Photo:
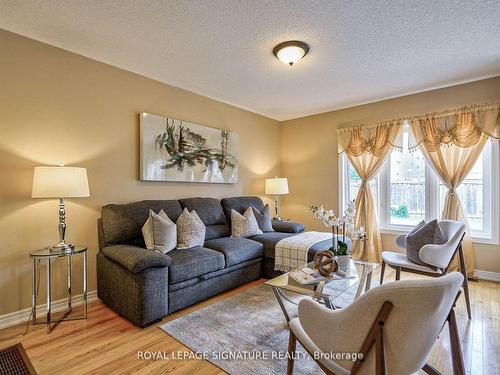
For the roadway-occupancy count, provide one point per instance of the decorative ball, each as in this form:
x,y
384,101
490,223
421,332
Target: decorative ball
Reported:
x,y
325,263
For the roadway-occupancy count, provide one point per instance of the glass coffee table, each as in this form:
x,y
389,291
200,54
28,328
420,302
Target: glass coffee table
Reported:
x,y
359,277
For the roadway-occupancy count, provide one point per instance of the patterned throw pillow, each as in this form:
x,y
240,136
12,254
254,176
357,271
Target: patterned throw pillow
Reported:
x,y
429,233
159,232
263,218
244,225
190,230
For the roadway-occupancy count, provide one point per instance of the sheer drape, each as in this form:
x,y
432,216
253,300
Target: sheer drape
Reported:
x,y
451,145
451,142
367,148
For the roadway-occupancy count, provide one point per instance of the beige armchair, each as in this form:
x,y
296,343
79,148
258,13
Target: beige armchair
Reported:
x,y
438,257
394,326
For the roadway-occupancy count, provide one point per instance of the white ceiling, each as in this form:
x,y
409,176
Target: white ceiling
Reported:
x,y
361,51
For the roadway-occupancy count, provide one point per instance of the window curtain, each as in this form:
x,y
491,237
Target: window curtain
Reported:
x,y
367,147
451,143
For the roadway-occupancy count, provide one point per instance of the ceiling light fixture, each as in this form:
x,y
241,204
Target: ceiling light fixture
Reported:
x,y
291,52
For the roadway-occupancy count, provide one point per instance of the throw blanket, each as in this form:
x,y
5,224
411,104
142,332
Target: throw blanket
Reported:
x,y
291,252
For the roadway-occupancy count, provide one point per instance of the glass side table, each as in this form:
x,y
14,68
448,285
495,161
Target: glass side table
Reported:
x,y
49,255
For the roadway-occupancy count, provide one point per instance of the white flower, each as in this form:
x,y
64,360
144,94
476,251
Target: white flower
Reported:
x,y
346,221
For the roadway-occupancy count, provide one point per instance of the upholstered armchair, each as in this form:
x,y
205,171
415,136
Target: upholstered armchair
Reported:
x,y
438,257
394,326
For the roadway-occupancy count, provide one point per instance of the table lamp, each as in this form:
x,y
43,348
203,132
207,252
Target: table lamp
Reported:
x,y
60,182
276,186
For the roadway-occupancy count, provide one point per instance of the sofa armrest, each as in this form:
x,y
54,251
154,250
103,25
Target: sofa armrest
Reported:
x,y
287,226
135,258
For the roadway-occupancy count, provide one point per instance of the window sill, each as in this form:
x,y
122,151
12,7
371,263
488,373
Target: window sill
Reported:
x,y
396,231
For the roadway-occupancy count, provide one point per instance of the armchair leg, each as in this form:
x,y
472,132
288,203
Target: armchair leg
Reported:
x,y
463,270
292,343
456,350
398,273
382,271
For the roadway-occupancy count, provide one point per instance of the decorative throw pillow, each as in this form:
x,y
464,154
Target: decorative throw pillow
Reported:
x,y
159,232
429,233
263,218
244,225
416,227
190,230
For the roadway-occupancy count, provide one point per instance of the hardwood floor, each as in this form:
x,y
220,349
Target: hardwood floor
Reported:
x,y
108,344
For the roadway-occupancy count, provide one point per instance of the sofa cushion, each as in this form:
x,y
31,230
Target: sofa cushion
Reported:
x,y
193,262
269,241
208,209
122,223
240,204
236,249
210,212
238,266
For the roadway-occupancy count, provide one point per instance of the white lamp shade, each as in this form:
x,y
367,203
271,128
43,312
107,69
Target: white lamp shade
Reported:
x,y
60,182
276,186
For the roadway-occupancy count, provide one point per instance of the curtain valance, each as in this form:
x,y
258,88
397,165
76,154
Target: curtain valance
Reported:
x,y
371,139
464,127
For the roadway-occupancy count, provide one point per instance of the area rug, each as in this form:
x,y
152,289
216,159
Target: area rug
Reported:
x,y
244,334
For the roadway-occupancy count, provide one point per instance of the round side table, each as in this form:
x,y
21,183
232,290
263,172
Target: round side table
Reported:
x,y
50,254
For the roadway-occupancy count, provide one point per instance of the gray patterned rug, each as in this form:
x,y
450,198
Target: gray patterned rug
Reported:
x,y
250,326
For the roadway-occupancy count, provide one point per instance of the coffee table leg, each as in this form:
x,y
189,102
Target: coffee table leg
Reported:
x,y
329,304
361,283
368,281
277,293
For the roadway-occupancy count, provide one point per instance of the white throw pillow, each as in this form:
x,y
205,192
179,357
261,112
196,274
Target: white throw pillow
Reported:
x,y
160,233
190,230
244,225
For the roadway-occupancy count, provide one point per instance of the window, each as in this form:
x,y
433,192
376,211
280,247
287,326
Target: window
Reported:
x,y
407,190
406,186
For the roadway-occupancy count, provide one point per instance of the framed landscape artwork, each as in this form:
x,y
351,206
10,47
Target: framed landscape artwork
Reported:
x,y
175,150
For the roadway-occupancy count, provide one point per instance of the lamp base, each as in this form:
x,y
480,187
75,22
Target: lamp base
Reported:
x,y
277,218
62,247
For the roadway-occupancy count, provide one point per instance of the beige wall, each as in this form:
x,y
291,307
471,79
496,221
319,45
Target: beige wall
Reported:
x,y
59,107
309,151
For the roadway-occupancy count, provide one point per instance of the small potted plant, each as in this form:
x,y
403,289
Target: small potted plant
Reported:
x,y
344,224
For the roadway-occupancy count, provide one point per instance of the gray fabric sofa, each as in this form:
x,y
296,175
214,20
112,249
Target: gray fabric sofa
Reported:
x,y
144,286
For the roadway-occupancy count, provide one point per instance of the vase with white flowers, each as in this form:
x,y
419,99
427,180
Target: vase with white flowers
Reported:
x,y
340,225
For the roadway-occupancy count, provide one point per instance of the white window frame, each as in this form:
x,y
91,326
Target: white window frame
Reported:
x,y
384,206
491,171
